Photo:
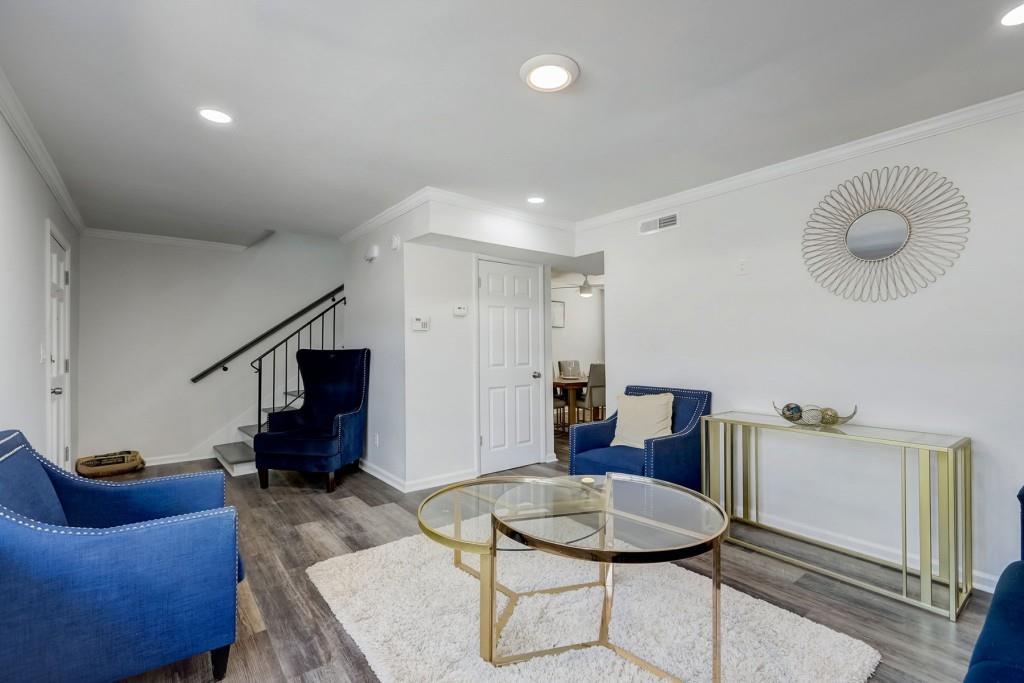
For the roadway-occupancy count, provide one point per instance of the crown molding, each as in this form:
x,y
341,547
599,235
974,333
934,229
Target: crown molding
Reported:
x,y
937,125
161,240
434,194
21,126
413,201
467,202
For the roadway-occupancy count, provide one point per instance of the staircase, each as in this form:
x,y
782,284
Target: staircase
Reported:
x,y
278,383
238,458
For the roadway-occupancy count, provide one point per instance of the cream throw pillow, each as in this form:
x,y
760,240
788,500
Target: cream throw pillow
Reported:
x,y
642,417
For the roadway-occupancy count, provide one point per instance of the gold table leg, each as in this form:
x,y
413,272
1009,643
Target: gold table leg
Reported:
x,y
924,504
746,431
716,611
714,461
944,476
488,598
947,529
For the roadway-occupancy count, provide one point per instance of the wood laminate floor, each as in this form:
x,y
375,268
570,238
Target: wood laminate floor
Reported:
x,y
287,633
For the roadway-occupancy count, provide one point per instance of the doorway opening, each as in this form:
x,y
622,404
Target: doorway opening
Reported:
x,y
577,351
58,347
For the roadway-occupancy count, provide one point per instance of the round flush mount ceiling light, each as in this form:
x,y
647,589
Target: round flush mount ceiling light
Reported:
x,y
535,200
1014,17
215,115
549,73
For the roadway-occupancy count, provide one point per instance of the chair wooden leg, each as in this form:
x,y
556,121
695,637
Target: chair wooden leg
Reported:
x,y
264,475
219,659
331,482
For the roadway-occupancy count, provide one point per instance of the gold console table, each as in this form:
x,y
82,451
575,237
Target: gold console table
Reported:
x,y
731,439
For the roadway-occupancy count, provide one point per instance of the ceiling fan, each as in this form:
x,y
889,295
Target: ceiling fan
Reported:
x,y
586,290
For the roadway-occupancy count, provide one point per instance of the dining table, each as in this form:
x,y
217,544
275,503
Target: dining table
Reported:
x,y
571,386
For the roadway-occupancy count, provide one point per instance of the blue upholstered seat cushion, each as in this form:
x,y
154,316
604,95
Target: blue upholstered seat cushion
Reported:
x,y
25,487
625,459
997,654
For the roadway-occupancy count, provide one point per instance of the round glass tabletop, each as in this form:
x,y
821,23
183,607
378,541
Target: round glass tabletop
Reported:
x,y
615,518
459,515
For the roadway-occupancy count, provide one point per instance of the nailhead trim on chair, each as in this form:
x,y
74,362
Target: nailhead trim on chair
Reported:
x,y
649,443
141,482
86,531
572,438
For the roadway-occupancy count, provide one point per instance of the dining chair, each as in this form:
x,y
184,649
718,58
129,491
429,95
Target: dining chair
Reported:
x,y
569,368
594,398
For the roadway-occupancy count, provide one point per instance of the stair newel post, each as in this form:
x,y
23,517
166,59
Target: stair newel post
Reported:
x,y
273,380
323,319
286,358
334,326
259,395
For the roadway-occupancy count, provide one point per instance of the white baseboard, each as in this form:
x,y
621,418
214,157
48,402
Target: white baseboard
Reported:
x,y
982,580
439,480
382,474
415,484
172,458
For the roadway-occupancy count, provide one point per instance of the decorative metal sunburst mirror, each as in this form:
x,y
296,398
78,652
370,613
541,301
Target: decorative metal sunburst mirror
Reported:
x,y
886,233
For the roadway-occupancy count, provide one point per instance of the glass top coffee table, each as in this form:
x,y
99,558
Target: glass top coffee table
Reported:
x,y
614,519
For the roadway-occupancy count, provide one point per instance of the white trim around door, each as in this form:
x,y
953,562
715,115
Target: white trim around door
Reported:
x,y
511,352
57,352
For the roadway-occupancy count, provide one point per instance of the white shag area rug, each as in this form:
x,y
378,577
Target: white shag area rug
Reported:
x,y
415,616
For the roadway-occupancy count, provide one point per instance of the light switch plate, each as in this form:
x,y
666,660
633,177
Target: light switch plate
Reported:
x,y
421,323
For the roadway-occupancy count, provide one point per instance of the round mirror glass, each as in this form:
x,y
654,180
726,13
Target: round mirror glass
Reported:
x,y
877,235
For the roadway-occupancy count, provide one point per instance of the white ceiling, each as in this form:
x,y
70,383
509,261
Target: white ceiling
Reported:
x,y
343,108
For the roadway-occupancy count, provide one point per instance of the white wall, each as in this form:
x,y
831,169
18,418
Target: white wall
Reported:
x,y
25,205
946,359
440,380
582,338
376,320
154,315
423,385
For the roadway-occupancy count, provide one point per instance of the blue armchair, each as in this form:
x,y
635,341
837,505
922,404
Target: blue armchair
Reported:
x,y
103,580
674,458
999,653
329,430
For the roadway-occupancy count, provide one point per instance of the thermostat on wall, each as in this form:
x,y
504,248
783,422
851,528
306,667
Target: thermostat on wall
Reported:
x,y
421,323
460,311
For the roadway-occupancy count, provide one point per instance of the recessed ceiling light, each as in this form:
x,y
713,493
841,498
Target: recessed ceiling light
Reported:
x,y
535,200
549,73
215,115
1014,17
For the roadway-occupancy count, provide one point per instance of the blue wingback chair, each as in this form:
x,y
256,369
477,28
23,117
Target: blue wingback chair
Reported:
x,y
999,652
329,430
103,580
674,458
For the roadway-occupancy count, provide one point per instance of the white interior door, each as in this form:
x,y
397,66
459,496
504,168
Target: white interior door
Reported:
x,y
511,403
60,364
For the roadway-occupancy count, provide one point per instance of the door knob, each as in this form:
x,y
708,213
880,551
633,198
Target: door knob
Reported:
x,y
57,391
536,375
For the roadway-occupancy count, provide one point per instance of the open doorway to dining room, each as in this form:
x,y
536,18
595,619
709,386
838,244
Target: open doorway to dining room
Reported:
x,y
577,349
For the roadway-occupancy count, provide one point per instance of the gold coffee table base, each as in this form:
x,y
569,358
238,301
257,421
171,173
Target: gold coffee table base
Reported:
x,y
691,530
491,628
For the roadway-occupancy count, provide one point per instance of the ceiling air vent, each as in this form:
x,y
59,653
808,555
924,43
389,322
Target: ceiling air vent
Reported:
x,y
654,225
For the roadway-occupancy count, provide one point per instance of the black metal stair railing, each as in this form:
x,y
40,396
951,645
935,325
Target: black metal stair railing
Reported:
x,y
222,364
266,364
